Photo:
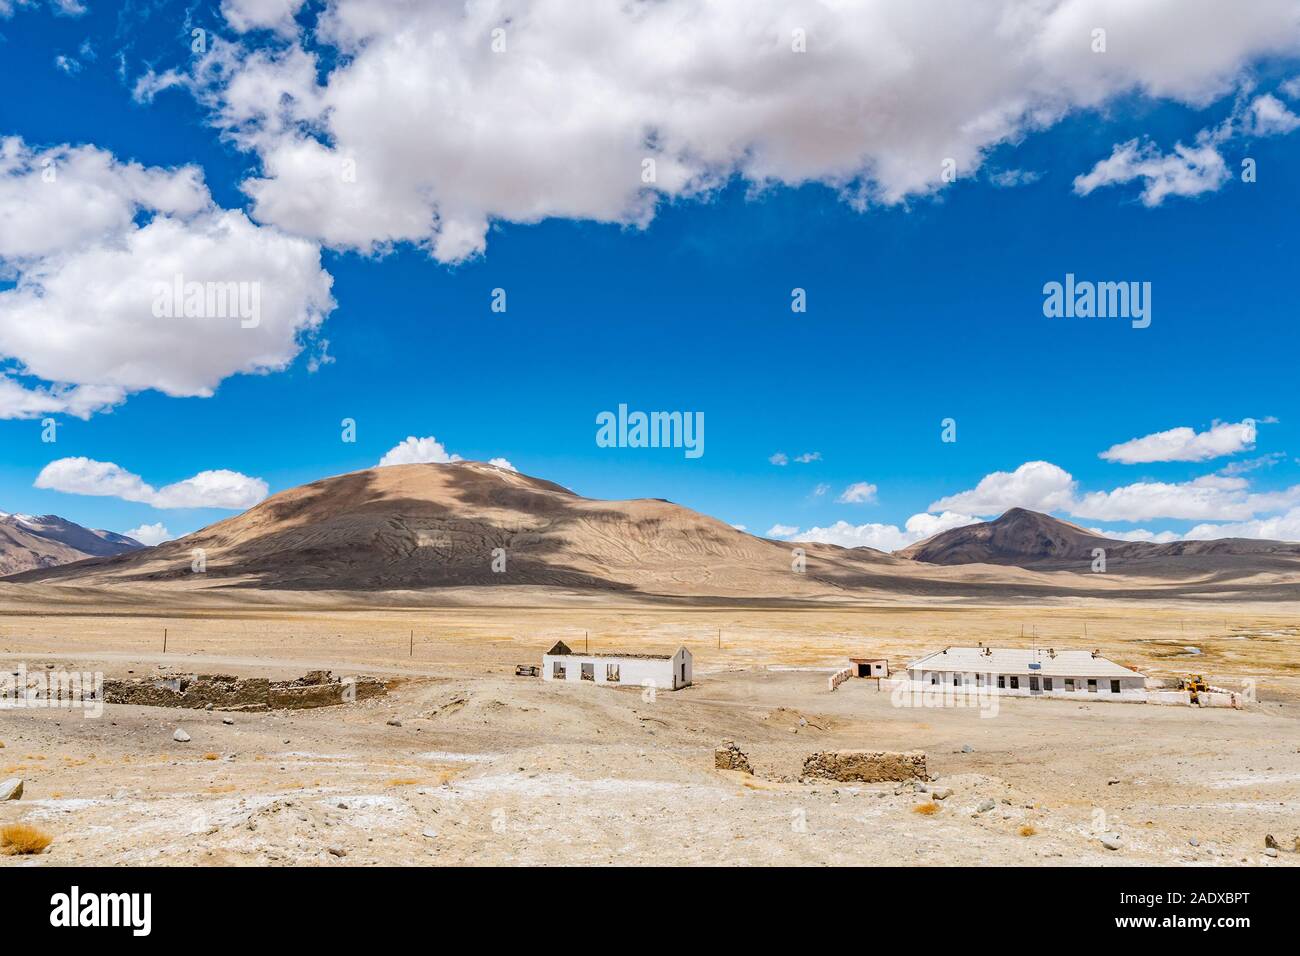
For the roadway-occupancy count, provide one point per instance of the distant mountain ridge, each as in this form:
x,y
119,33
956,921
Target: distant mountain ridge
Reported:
x,y
29,542
1029,539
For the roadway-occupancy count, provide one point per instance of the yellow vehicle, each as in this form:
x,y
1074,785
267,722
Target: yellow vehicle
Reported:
x,y
1195,684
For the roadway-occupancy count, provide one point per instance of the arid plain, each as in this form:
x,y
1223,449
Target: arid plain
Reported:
x,y
465,763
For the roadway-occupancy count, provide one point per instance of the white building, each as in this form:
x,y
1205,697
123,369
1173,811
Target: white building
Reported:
x,y
665,671
1021,672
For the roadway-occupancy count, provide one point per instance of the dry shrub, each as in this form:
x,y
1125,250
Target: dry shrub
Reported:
x,y
20,838
222,788
926,809
1027,830
212,756
403,782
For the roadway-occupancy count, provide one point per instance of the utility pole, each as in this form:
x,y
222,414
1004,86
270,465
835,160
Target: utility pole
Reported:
x,y
164,640
586,643
719,638
412,651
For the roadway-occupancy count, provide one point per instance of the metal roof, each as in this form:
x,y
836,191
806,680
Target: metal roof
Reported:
x,y
1016,660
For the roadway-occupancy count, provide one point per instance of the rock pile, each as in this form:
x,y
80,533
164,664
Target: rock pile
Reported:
x,y
866,766
728,756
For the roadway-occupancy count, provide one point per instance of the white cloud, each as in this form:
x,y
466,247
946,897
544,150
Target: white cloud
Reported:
x,y
1187,171
782,530
246,15
502,463
89,239
1037,485
150,534
883,537
884,93
418,451
1284,527
1185,444
1209,498
207,489
780,458
860,492
1139,534
1270,117
821,489
808,457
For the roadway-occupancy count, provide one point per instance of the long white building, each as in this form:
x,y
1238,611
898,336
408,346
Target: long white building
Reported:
x,y
663,671
1022,672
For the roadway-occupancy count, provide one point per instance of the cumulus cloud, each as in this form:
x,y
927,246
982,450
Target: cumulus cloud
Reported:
x,y
870,100
150,534
780,458
882,537
1284,527
418,451
1038,485
808,457
276,15
90,241
1185,444
428,450
860,492
208,489
1211,497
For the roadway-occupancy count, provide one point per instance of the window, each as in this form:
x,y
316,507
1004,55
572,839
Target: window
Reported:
x,y
1002,681
1069,683
1047,683
1092,685
1114,687
557,670
956,680
611,673
1015,683
589,672
1033,682
934,678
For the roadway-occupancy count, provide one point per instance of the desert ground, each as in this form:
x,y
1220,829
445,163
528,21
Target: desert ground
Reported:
x,y
464,763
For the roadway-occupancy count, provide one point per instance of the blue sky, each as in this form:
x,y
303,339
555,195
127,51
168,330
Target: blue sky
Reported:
x,y
921,307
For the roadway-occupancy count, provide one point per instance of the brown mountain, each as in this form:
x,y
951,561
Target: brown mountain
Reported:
x,y
45,541
409,527
1029,539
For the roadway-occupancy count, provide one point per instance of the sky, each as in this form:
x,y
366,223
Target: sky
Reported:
x,y
827,230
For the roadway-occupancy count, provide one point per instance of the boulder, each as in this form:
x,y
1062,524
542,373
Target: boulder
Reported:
x,y
11,789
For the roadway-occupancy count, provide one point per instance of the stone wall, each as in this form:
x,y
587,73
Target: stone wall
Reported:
x,y
866,766
728,756
226,692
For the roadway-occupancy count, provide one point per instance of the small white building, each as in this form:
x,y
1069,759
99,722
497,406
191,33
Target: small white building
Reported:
x,y
665,671
1022,672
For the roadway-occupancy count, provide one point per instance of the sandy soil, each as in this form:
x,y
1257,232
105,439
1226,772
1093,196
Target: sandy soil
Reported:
x,y
487,768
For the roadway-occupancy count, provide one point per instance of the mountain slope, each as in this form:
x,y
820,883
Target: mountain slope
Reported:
x,y
45,541
440,525
1029,539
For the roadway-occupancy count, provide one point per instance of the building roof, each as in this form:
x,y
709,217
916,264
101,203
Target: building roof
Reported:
x,y
562,650
869,660
1016,660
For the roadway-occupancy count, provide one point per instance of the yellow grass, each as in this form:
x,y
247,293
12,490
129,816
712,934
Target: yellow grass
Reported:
x,y
1027,830
212,756
926,809
403,782
19,838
